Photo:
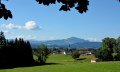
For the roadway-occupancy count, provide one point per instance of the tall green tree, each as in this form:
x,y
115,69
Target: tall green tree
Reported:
x,y
108,47
109,44
42,53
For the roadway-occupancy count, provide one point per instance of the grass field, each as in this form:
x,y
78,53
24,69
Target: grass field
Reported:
x,y
64,63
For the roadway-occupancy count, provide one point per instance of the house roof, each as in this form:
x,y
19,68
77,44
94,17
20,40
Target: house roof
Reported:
x,y
94,59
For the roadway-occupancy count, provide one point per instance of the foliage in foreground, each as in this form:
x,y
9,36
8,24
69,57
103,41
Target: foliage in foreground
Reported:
x,y
80,5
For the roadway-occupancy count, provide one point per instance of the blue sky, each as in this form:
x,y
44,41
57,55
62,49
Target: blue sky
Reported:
x,y
34,21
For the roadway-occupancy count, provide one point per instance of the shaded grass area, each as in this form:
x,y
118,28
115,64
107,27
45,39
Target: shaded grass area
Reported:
x,y
64,63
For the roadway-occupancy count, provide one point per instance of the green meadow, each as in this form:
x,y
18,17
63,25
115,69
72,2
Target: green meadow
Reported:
x,y
64,63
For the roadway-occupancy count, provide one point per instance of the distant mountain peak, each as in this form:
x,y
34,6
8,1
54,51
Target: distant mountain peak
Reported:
x,y
73,38
73,41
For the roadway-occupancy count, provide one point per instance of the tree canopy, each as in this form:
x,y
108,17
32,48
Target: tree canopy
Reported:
x,y
80,5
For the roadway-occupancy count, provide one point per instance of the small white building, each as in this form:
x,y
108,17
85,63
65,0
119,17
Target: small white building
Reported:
x,y
88,53
63,52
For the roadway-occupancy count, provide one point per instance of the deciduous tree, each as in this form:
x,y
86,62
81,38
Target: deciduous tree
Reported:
x,y
42,53
109,44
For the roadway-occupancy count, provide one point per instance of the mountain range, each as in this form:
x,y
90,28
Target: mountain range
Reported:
x,y
72,42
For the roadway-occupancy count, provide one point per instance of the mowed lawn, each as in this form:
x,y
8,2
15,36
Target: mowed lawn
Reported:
x,y
64,63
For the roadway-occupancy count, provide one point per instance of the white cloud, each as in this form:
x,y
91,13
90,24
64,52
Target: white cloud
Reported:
x,y
30,25
12,26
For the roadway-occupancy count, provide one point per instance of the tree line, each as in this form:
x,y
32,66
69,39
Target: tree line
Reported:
x,y
18,53
15,53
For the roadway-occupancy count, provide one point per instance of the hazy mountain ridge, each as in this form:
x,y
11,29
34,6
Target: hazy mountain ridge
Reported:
x,y
73,42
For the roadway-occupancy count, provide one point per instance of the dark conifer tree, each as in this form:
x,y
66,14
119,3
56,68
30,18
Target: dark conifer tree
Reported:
x,y
2,40
15,53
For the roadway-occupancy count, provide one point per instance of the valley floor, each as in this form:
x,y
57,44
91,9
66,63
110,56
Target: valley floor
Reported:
x,y
64,63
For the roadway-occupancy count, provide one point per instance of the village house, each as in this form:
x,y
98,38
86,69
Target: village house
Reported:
x,y
93,60
88,53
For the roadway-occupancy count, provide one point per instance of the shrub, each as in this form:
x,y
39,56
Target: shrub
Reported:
x,y
75,54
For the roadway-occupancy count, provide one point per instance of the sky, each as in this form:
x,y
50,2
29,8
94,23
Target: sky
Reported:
x,y
33,21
